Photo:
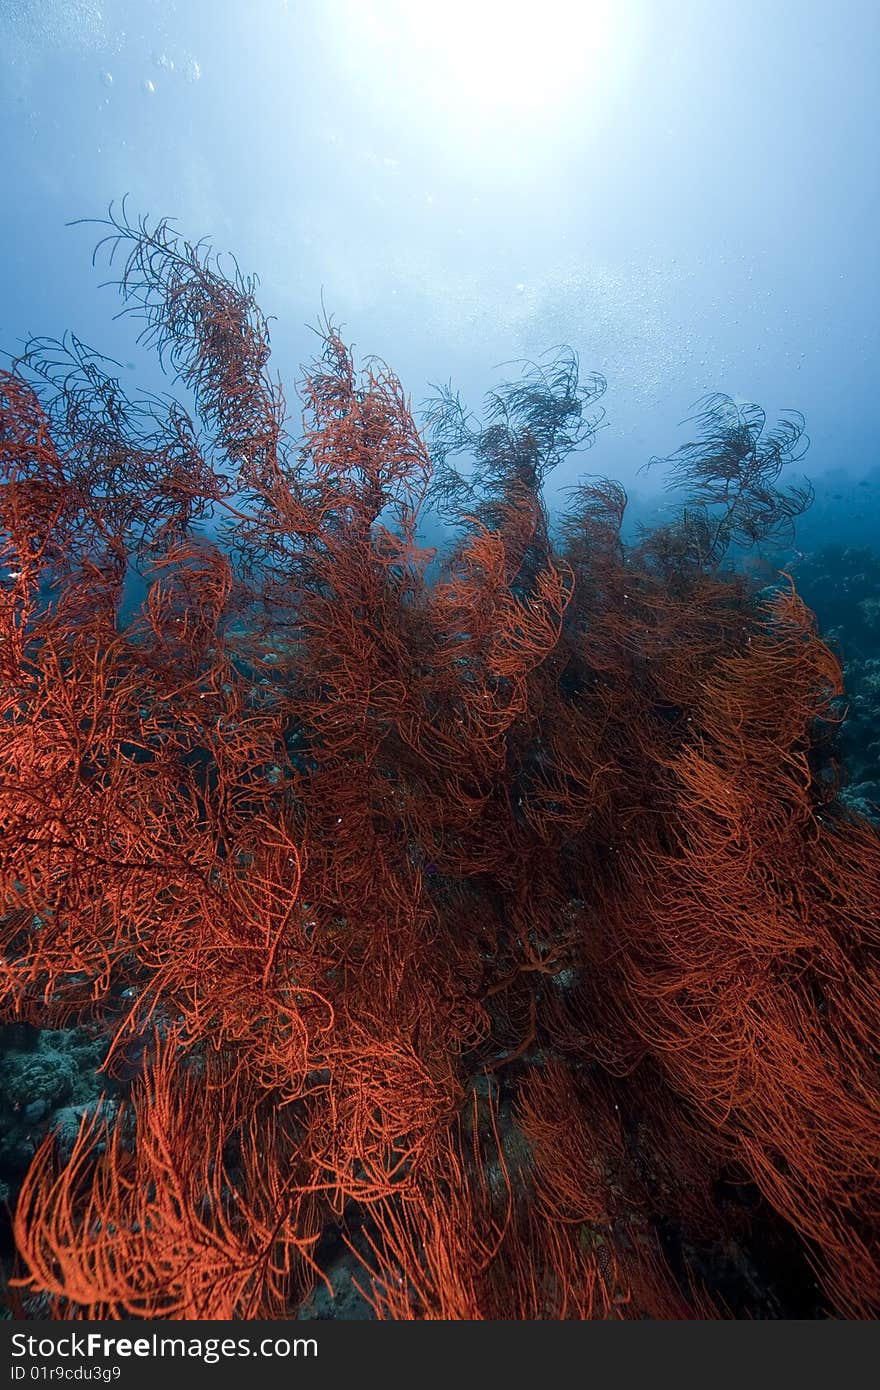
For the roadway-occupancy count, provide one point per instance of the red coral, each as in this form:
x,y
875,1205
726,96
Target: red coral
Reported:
x,y
489,921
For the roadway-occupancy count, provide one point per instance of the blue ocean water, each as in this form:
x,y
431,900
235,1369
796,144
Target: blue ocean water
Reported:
x,y
685,193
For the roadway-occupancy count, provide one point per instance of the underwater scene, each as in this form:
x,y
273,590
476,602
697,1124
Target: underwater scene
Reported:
x,y
439,661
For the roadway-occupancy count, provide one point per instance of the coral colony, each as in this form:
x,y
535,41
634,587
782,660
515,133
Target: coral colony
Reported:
x,y
487,926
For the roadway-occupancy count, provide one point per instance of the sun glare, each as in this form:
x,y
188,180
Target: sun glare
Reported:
x,y
492,61
505,54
